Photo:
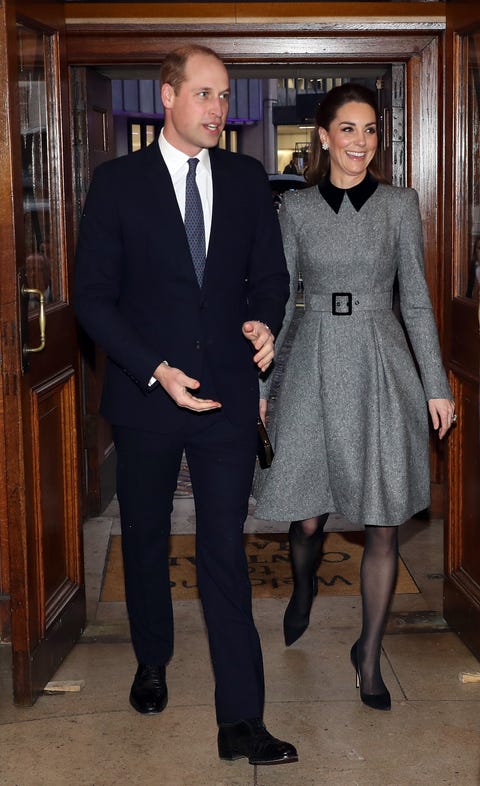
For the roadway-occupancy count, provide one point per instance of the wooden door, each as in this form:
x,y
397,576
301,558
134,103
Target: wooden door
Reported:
x,y
462,586
39,392
93,143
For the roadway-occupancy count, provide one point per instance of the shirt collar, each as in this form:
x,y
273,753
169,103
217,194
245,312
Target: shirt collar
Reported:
x,y
357,195
175,159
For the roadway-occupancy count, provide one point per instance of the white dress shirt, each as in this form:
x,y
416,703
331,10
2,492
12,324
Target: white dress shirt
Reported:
x,y
177,166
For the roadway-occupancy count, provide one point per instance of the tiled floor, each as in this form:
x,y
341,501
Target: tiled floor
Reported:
x,y
93,737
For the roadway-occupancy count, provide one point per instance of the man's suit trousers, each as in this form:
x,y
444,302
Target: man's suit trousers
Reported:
x,y
221,460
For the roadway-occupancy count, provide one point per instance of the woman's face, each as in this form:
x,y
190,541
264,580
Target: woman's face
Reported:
x,y
352,141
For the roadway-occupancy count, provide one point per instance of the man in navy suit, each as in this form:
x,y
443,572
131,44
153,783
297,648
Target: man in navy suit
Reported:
x,y
186,333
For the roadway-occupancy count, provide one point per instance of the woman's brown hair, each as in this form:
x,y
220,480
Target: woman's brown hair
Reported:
x,y
327,109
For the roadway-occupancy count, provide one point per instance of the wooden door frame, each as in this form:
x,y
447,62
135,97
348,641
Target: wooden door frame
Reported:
x,y
42,621
461,593
299,34
11,467
99,452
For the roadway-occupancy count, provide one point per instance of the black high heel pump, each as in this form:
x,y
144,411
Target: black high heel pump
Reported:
x,y
305,554
377,701
295,623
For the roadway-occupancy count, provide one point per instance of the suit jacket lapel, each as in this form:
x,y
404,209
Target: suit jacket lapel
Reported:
x,y
155,170
221,187
221,205
163,198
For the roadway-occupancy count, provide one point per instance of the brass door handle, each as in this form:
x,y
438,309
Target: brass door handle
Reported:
x,y
41,319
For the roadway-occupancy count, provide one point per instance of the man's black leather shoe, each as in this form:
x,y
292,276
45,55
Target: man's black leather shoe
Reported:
x,y
250,738
149,693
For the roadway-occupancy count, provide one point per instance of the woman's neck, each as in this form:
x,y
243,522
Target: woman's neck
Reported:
x,y
345,182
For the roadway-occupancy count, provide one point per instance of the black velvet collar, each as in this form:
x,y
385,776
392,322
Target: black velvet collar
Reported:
x,y
357,195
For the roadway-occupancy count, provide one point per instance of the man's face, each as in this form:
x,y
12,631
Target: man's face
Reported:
x,y
195,117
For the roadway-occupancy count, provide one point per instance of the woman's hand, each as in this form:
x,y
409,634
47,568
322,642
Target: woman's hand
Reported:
x,y
263,409
442,412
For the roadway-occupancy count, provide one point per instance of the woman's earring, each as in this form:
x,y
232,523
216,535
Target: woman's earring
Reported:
x,y
324,146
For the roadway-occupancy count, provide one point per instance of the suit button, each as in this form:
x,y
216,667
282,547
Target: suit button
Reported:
x,y
197,345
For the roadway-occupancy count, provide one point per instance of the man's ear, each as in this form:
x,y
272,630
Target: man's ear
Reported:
x,y
168,95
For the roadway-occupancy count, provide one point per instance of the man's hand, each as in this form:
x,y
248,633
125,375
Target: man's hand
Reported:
x,y
178,386
263,340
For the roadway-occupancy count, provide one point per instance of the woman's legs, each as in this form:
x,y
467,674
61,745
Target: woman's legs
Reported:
x,y
306,539
378,574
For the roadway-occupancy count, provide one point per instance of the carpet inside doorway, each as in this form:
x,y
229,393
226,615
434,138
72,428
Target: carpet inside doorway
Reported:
x,y
268,564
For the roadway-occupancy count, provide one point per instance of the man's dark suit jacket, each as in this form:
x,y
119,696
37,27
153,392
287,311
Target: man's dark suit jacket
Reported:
x,y
137,296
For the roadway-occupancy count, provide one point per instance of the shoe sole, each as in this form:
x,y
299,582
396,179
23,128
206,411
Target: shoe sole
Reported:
x,y
257,762
290,760
151,711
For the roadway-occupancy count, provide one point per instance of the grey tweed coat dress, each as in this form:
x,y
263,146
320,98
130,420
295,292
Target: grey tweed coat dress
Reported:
x,y
351,431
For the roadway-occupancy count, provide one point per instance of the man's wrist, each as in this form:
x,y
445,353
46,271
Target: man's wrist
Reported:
x,y
153,380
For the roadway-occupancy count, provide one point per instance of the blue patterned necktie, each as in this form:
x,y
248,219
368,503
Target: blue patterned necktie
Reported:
x,y
194,226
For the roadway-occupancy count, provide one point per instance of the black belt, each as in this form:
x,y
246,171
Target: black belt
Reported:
x,y
346,303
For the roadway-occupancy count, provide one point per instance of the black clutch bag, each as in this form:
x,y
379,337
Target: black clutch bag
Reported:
x,y
264,446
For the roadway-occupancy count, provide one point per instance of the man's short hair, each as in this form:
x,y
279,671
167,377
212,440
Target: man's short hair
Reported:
x,y
173,67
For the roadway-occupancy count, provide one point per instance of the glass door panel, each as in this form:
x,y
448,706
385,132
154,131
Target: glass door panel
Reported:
x,y
39,127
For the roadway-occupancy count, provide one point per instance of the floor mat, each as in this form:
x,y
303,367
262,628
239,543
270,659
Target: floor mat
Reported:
x,y
268,564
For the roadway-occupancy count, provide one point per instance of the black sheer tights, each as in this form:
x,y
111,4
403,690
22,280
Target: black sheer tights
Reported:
x,y
378,574
306,538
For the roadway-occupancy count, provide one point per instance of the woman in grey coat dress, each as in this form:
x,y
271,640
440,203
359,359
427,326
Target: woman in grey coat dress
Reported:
x,y
351,424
